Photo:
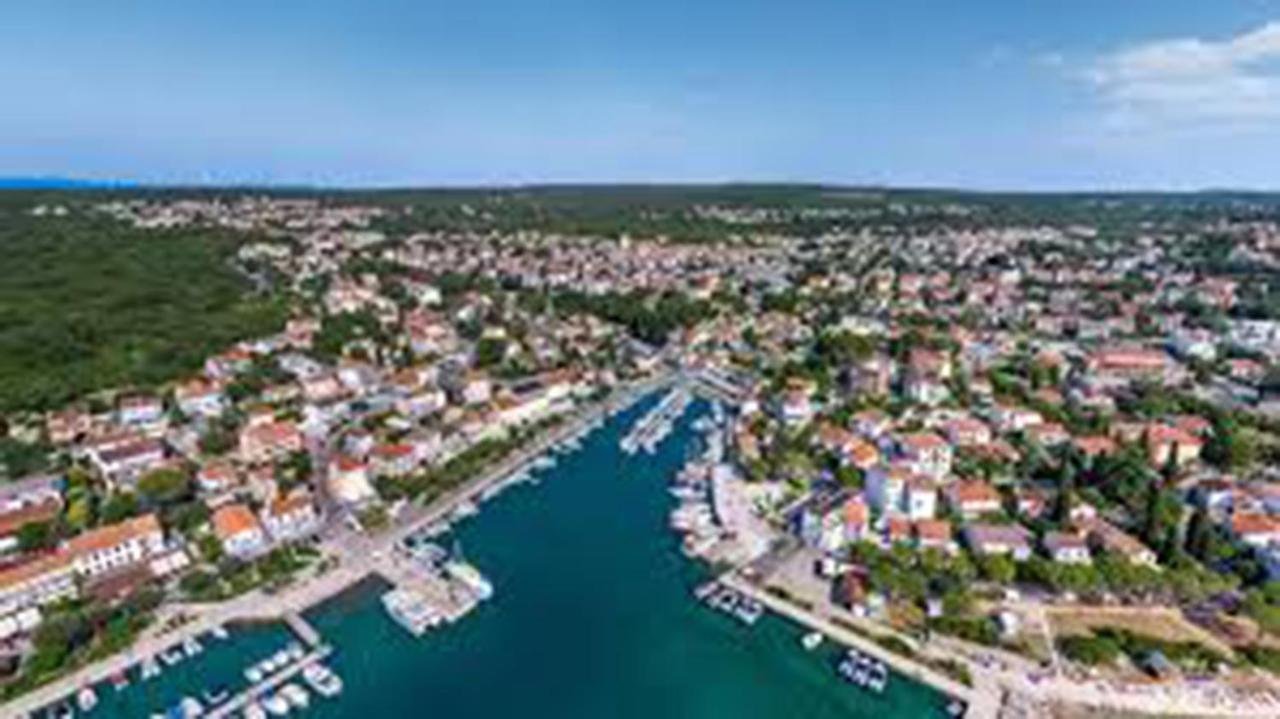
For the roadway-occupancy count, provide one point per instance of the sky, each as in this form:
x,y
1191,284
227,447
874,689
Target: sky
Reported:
x,y
988,94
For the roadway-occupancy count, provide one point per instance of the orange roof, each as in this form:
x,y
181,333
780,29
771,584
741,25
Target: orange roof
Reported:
x,y
1253,523
233,519
284,504
966,491
114,535
855,511
26,571
923,440
11,522
937,530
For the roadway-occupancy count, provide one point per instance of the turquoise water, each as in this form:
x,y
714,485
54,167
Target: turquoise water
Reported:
x,y
593,617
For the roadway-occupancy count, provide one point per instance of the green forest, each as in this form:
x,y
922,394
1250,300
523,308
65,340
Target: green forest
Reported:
x,y
88,303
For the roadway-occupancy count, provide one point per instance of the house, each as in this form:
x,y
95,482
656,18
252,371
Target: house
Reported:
x,y
67,426
348,481
822,522
1095,445
238,530
43,580
1255,529
31,491
973,498
1011,418
268,440
926,389
1048,434
998,540
476,389
140,411
199,398
927,453
920,498
292,516
1123,364
393,460
1066,548
323,388
967,432
872,423
796,409
216,477
1162,440
121,464
857,519
13,520
113,547
1105,537
885,486
933,534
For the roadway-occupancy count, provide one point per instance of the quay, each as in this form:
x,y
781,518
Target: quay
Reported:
x,y
983,700
239,701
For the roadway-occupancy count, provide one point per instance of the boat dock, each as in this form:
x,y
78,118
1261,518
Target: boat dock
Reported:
x,y
235,704
303,629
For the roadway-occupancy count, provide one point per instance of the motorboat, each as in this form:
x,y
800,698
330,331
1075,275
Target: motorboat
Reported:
x,y
811,641
323,680
254,710
86,699
297,697
275,705
191,646
191,707
150,668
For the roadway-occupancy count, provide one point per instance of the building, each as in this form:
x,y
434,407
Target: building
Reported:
x,y
927,453
998,540
1066,548
107,549
973,498
238,531
43,580
348,481
267,440
292,516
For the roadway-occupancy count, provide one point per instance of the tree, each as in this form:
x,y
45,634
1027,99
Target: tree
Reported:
x,y
119,507
1231,447
80,512
1199,535
165,486
490,351
999,569
34,536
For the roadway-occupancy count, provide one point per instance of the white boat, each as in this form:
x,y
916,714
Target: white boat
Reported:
x,y
171,656
191,708
253,674
470,577
276,705
296,651
280,659
150,668
811,641
191,646
297,697
219,632
87,699
323,680
464,509
254,710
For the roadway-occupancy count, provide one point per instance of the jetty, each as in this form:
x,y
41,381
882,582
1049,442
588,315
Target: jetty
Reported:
x,y
235,704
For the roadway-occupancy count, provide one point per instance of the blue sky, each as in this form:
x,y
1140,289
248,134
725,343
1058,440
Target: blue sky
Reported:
x,y
1012,94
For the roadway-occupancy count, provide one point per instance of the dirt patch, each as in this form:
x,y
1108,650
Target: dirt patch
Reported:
x,y
1160,623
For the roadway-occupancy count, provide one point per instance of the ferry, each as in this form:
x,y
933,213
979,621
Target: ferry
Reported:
x,y
87,699
150,668
323,680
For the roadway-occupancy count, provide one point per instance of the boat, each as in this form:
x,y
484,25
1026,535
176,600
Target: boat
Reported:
x,y
215,696
297,697
811,641
748,611
191,646
957,708
150,668
878,677
296,652
120,681
171,656
470,577
86,699
191,707
63,711
254,710
219,632
323,680
280,659
275,705
253,674
465,509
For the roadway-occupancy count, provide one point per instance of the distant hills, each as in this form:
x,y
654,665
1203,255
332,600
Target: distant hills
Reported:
x,y
58,183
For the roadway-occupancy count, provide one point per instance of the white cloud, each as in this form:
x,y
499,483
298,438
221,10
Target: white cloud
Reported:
x,y
1192,83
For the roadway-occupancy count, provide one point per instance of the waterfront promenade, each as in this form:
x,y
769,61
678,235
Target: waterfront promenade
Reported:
x,y
358,557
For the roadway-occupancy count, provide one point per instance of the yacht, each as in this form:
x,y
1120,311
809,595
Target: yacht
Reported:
x,y
87,699
191,646
295,695
320,678
191,708
275,705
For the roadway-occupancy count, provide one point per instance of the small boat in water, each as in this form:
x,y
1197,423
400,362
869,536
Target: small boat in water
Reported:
x,y
150,668
253,674
171,656
297,697
87,699
63,711
254,710
191,707
219,632
323,680
296,651
216,695
120,681
811,641
275,705
191,647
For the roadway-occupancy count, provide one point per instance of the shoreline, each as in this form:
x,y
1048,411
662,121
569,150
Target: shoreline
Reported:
x,y
354,568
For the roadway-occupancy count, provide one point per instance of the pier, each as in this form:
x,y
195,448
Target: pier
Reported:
x,y
303,629
239,701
